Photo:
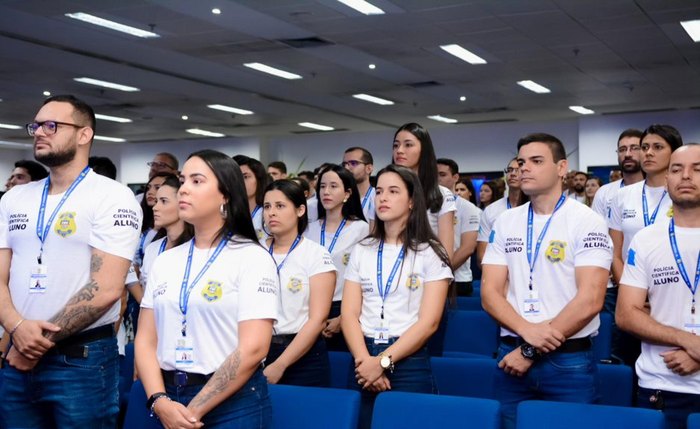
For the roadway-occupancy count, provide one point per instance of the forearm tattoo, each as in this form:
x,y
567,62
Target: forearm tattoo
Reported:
x,y
226,373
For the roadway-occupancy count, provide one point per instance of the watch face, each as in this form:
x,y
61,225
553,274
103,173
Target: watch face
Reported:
x,y
385,362
528,351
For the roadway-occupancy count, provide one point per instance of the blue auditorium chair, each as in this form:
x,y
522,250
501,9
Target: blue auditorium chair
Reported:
x,y
297,407
565,415
464,377
470,333
341,365
137,416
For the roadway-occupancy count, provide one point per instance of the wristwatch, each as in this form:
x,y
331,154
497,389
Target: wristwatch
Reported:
x,y
385,362
529,352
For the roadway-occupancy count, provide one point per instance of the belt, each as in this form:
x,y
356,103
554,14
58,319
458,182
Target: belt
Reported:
x,y
75,345
569,346
283,339
182,378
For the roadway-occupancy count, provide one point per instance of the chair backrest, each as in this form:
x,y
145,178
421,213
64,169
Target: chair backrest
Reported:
x,y
616,383
602,343
471,332
341,365
137,416
694,421
296,407
464,377
565,415
469,303
426,411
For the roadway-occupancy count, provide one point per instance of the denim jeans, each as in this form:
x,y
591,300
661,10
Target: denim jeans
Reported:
x,y
312,369
249,408
64,392
675,406
336,343
411,374
565,377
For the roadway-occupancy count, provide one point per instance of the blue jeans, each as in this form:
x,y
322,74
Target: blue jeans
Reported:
x,y
249,408
411,374
312,369
64,392
565,377
675,406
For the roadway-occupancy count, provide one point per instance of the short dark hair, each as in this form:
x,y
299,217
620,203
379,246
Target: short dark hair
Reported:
x,y
454,168
630,132
83,111
581,173
306,174
667,132
103,166
555,145
366,155
295,194
301,182
173,159
259,172
35,170
281,166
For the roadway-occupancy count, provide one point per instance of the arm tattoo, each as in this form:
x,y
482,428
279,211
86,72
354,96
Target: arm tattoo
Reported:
x,y
95,263
226,373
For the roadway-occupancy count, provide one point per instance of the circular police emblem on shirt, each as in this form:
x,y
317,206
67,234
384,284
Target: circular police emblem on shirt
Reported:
x,y
413,281
555,251
65,224
212,291
260,233
294,284
346,258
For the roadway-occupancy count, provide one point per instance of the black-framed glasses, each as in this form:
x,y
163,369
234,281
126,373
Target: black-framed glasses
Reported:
x,y
49,127
158,164
511,170
352,163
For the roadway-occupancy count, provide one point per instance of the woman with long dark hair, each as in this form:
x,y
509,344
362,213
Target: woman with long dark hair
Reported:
x,y
255,179
209,308
396,285
298,353
489,193
341,225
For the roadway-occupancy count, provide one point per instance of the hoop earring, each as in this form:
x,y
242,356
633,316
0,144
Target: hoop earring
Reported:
x,y
223,211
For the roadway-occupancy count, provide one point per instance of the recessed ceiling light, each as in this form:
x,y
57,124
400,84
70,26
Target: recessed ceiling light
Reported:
x,y
363,6
109,139
534,87
443,119
216,11
185,117
47,94
10,127
373,99
462,98
205,133
463,54
95,20
316,126
112,118
105,84
692,28
272,70
229,109
372,66
582,110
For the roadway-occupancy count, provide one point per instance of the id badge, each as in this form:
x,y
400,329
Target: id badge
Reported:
x,y
381,333
38,279
531,305
184,352
691,325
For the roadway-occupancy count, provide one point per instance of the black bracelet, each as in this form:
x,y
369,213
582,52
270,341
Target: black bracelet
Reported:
x,y
153,398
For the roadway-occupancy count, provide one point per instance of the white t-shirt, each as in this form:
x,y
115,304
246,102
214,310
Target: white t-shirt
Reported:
x,y
144,240
152,251
368,208
489,216
627,214
575,238
448,205
240,285
466,220
351,234
650,265
312,209
404,298
258,224
603,198
305,261
580,199
100,214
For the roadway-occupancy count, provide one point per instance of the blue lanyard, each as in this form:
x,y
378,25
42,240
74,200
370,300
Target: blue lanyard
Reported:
x,y
647,220
366,197
255,211
622,183
185,289
508,206
41,231
162,245
681,266
381,288
530,214
294,245
335,236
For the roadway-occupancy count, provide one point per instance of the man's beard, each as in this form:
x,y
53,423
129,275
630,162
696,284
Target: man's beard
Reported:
x,y
56,159
635,168
579,188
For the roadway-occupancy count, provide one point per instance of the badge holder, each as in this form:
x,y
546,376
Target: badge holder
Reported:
x,y
184,352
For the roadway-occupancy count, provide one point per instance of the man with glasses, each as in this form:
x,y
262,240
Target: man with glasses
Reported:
x,y
360,163
163,162
66,244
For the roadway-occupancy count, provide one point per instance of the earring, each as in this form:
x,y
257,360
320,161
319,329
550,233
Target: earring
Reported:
x,y
223,211
345,200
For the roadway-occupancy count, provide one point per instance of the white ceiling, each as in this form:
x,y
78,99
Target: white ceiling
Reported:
x,y
609,55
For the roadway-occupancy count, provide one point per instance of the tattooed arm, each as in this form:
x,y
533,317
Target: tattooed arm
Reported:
x,y
254,338
105,287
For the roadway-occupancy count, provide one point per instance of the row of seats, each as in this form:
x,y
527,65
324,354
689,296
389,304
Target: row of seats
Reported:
x,y
297,407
